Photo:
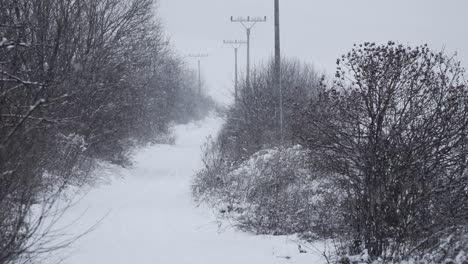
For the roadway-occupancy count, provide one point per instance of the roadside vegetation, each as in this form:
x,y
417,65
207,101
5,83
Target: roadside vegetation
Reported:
x,y
80,82
373,160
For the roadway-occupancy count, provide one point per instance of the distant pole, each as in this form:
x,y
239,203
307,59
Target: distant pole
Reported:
x,y
199,57
248,57
199,77
278,66
236,77
236,45
248,23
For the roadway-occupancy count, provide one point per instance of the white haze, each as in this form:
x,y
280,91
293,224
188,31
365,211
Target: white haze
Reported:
x,y
314,31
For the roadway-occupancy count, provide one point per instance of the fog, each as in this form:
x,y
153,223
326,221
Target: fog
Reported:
x,y
317,32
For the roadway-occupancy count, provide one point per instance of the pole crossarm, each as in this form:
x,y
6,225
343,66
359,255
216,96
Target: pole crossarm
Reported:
x,y
199,55
235,43
248,22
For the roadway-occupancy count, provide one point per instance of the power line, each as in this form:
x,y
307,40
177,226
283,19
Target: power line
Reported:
x,y
236,44
248,23
199,56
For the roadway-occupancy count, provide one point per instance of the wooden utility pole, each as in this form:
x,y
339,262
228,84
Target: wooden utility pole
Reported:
x,y
248,23
236,44
199,57
278,66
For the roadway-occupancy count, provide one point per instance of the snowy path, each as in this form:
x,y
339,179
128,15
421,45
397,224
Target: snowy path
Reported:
x,y
152,218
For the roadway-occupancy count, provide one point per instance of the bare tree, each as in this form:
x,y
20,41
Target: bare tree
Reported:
x,y
394,124
79,81
252,123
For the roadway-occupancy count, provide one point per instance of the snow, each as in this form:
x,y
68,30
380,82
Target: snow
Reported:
x,y
151,217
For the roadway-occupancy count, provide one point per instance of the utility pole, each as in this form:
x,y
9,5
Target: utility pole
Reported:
x,y
236,44
198,57
278,66
248,23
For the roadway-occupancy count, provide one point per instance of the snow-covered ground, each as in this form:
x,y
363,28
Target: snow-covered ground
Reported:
x,y
151,218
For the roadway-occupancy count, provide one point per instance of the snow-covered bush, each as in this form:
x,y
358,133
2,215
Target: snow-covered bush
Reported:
x,y
209,181
275,191
447,246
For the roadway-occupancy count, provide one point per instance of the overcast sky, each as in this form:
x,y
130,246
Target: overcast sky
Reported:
x,y
316,32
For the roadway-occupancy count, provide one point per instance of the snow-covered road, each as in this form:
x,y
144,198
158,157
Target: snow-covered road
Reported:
x,y
153,220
